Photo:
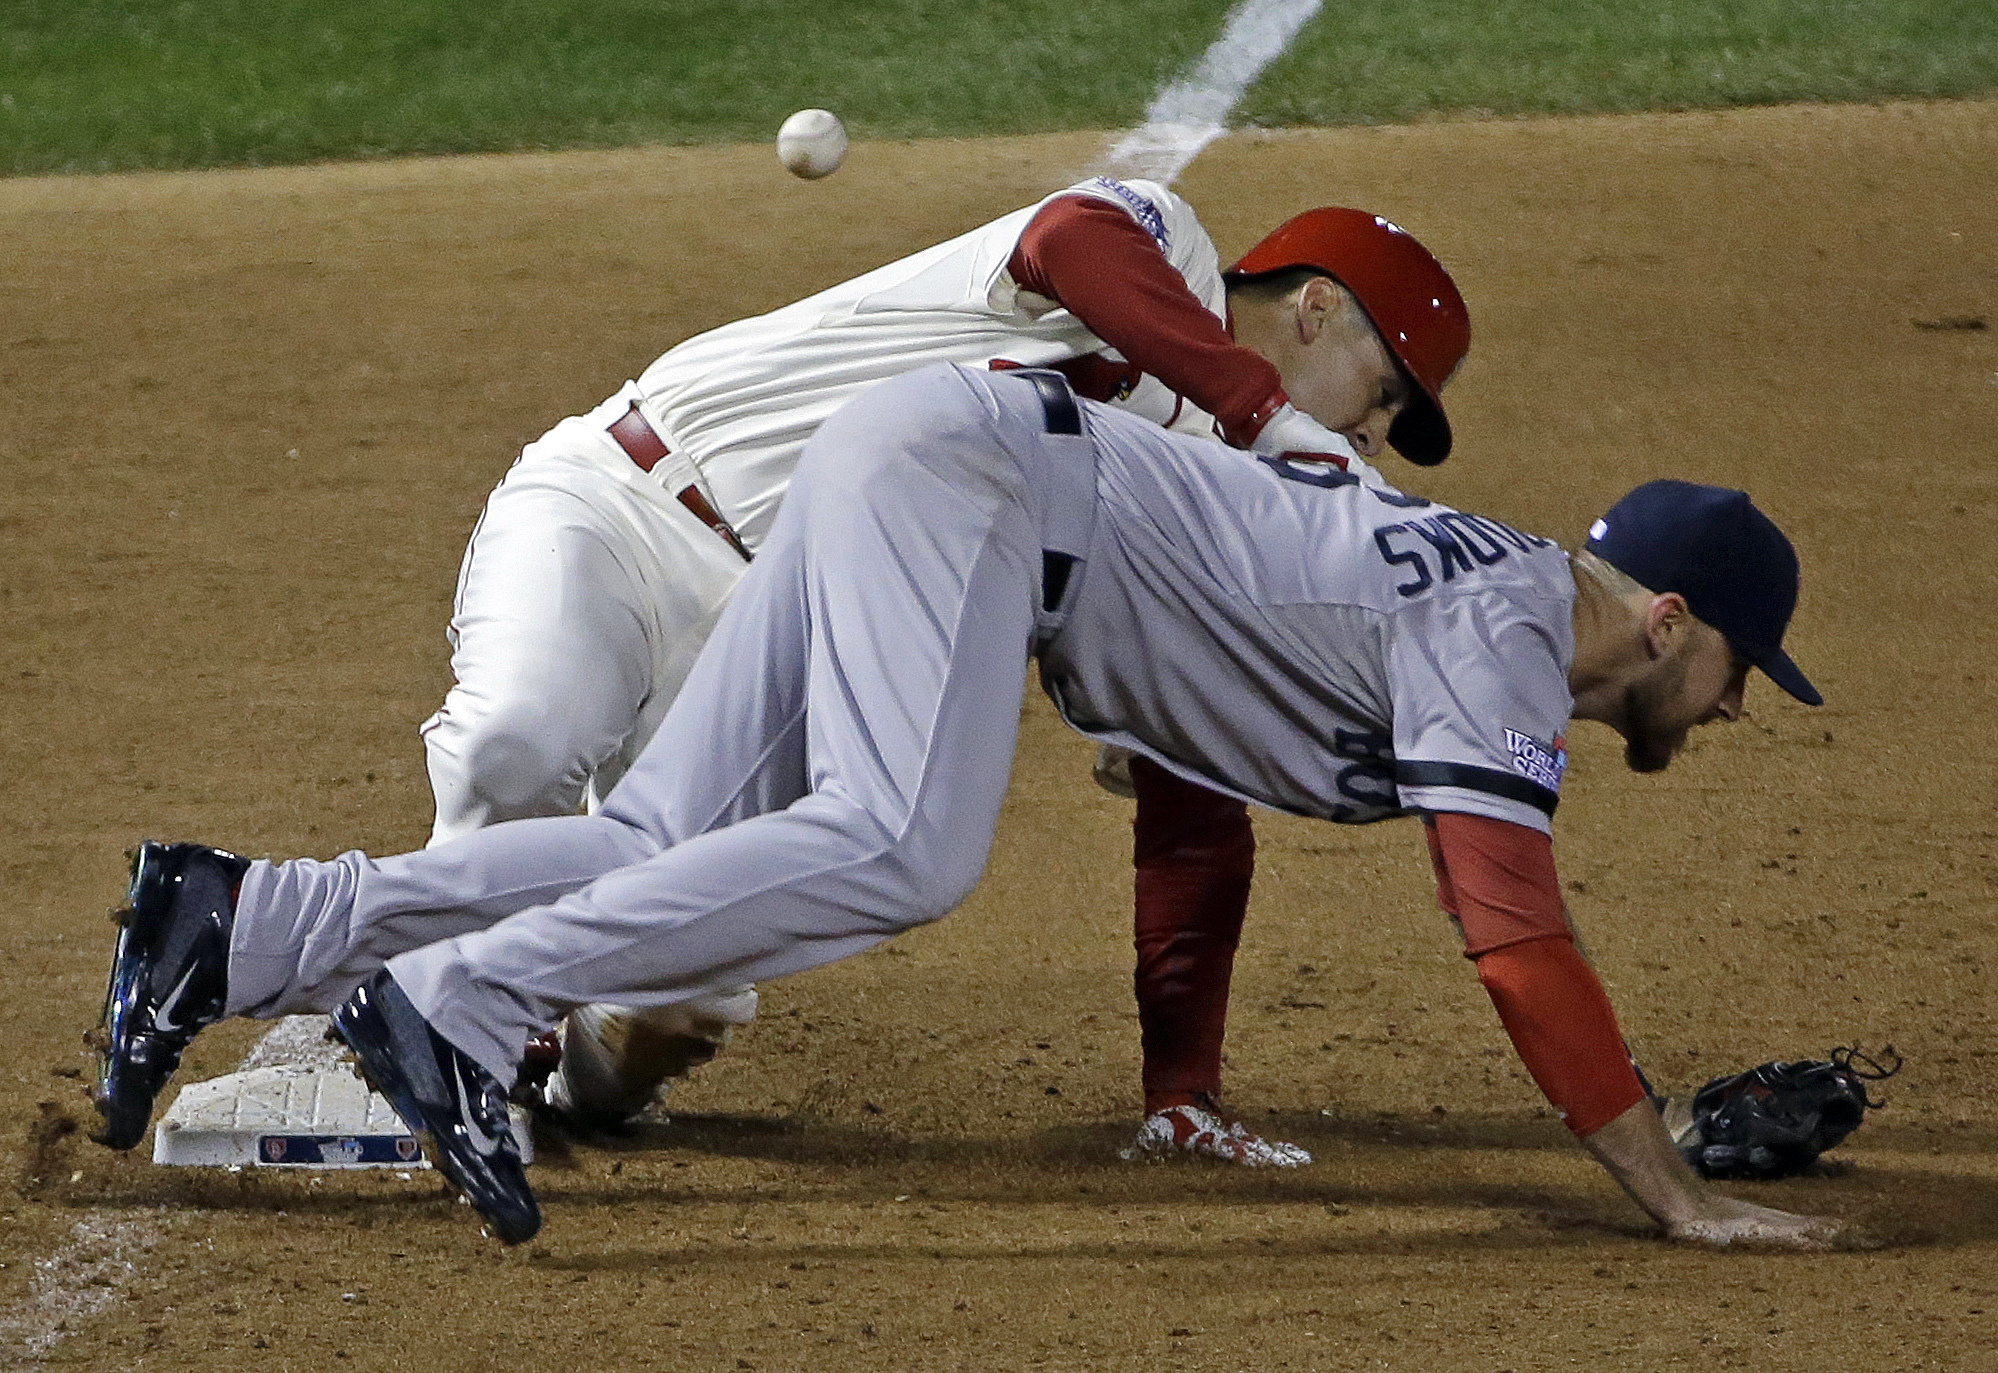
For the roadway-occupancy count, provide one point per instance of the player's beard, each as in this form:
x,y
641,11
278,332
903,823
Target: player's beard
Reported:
x,y
1652,736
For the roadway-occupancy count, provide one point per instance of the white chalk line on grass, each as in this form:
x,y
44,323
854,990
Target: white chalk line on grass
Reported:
x,y
1192,111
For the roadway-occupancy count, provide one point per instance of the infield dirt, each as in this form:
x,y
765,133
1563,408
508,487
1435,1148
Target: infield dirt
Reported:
x,y
247,420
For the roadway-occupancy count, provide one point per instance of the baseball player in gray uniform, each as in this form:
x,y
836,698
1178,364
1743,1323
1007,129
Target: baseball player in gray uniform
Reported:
x,y
1288,633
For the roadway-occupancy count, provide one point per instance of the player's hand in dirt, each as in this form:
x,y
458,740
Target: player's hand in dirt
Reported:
x,y
1640,1155
1729,1223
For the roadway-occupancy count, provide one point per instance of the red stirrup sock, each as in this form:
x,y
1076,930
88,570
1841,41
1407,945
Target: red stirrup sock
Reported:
x,y
1195,854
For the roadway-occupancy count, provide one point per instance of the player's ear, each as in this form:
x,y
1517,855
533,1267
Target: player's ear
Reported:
x,y
1318,305
1667,621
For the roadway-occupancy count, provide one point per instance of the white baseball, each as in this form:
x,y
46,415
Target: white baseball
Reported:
x,y
812,144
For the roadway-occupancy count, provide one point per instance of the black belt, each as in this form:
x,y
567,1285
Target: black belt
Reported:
x,y
1063,416
1058,405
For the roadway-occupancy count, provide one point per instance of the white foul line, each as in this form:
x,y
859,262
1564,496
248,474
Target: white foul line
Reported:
x,y
1192,111
73,1284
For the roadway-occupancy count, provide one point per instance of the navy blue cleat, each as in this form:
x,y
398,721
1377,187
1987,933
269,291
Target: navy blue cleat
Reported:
x,y
169,978
455,1108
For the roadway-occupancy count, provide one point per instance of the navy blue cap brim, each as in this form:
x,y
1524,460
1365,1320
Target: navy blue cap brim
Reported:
x,y
1778,668
1420,433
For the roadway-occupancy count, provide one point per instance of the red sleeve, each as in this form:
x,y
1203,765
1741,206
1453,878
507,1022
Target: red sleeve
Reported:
x,y
1498,879
1446,890
1102,266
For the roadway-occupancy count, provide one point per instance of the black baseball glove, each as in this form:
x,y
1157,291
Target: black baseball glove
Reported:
x,y
1774,1120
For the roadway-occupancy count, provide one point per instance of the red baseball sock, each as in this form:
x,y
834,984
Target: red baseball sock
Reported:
x,y
1194,853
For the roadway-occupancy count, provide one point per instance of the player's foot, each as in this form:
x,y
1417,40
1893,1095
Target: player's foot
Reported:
x,y
169,978
538,1063
455,1108
1203,1133
616,1062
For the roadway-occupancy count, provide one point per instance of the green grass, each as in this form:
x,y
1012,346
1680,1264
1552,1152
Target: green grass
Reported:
x,y
91,85
1366,63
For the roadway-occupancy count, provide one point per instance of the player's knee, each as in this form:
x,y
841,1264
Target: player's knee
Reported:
x,y
513,762
934,879
895,872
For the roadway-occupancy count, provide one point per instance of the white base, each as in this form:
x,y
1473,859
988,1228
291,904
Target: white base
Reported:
x,y
291,1116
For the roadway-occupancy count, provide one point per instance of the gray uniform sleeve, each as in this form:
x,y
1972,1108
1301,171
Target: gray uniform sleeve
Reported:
x,y
1481,702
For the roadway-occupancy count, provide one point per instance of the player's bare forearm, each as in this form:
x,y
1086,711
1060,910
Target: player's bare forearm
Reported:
x,y
1638,1152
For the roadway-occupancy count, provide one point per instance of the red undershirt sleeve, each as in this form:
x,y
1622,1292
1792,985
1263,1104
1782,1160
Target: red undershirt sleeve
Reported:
x,y
1497,880
1102,266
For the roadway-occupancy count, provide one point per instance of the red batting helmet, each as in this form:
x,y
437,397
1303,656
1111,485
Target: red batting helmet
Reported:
x,y
1413,304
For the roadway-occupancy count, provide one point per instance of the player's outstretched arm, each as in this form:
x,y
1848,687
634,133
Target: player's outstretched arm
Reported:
x,y
1498,881
1639,1154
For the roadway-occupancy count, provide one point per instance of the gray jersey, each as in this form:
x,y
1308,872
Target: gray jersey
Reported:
x,y
1289,634
1392,654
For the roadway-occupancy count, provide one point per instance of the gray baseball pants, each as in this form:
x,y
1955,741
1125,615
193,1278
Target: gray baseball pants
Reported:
x,y
830,775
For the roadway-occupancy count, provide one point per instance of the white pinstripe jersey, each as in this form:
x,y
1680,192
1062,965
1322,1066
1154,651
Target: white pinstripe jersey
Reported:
x,y
741,400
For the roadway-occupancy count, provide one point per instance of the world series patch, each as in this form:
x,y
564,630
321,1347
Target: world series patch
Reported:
x,y
1147,213
1541,764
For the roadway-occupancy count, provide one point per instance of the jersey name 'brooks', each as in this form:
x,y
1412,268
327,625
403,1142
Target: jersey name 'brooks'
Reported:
x,y
1330,648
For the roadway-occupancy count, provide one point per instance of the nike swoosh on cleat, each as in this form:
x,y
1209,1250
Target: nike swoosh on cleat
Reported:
x,y
163,1018
481,1141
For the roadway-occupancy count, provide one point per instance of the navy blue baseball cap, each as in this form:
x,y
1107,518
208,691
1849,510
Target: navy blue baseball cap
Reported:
x,y
1735,568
